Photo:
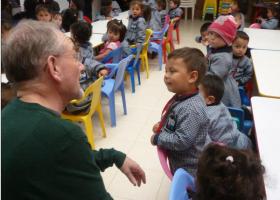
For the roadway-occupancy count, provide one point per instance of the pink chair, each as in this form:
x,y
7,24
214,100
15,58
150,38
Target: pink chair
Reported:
x,y
162,155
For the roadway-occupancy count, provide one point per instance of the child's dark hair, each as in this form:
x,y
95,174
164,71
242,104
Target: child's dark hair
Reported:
x,y
147,13
81,32
137,2
193,59
176,2
69,16
105,11
242,35
242,5
116,26
274,9
106,3
161,4
53,7
42,7
226,173
213,85
80,4
204,27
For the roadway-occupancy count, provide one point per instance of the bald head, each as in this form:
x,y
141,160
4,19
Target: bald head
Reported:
x,y
28,47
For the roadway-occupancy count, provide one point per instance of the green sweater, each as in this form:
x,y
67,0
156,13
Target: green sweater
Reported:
x,y
46,157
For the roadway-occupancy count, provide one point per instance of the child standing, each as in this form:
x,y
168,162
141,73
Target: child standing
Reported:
x,y
115,35
81,33
158,16
242,68
221,34
175,11
136,28
227,173
221,127
184,123
43,13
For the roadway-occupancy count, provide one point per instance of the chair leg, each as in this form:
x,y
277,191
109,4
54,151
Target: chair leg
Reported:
x,y
101,119
131,74
138,72
178,34
160,58
186,14
112,109
89,131
164,52
123,99
146,63
192,13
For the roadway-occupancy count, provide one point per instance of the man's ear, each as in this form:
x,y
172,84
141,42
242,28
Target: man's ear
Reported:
x,y
193,77
53,69
210,100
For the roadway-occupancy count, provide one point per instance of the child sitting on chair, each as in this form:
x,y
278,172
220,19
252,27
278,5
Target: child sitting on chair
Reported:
x,y
222,128
81,33
158,16
242,69
271,22
228,173
175,11
135,34
221,34
115,35
184,122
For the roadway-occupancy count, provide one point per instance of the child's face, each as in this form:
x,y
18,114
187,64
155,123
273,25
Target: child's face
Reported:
x,y
269,13
136,10
113,37
172,4
177,78
72,5
215,40
204,36
57,19
239,47
44,16
208,99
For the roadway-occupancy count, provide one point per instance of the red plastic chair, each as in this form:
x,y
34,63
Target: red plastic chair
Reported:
x,y
87,19
168,41
162,155
177,31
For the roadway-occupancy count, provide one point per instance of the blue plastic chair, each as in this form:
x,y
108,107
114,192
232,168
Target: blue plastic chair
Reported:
x,y
157,42
113,57
180,182
244,125
243,96
113,85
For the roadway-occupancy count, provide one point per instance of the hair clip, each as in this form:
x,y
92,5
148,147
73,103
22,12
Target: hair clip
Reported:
x,y
230,158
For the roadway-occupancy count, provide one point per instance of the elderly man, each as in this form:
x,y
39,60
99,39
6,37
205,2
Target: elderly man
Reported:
x,y
44,156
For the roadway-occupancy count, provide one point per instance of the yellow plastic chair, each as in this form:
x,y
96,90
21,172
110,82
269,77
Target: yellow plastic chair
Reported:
x,y
209,7
95,90
144,52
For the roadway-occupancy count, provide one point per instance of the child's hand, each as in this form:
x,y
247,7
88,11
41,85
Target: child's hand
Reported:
x,y
103,72
155,127
152,139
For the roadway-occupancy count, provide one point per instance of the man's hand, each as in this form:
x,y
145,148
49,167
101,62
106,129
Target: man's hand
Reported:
x,y
133,171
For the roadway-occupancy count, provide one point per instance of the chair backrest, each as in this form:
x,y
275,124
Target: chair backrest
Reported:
x,y
187,3
239,114
180,182
169,35
114,56
162,155
92,92
121,70
243,96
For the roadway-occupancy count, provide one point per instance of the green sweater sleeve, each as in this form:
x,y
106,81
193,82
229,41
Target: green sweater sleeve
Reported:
x,y
105,158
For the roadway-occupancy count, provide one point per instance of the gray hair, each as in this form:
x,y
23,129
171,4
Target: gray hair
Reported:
x,y
27,49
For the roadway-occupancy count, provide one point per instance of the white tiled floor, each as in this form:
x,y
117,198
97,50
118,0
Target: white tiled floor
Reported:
x,y
132,133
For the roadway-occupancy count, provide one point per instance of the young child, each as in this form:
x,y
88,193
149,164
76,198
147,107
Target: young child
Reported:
x,y
221,127
175,11
115,35
43,13
69,16
270,23
184,123
203,38
221,34
136,29
81,33
57,19
242,69
237,13
228,173
158,16
106,10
